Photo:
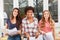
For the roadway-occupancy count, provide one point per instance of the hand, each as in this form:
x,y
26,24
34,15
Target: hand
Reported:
x,y
54,38
25,33
19,32
37,34
43,32
6,34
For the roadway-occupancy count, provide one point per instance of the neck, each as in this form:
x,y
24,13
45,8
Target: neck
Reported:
x,y
13,21
30,18
46,20
14,18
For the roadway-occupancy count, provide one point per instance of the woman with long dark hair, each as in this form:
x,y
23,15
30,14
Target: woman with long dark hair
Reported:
x,y
14,22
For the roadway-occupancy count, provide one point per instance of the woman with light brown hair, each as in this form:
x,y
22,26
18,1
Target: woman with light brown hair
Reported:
x,y
46,26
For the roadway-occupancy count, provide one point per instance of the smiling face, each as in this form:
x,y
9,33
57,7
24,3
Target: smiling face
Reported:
x,y
29,14
46,15
15,12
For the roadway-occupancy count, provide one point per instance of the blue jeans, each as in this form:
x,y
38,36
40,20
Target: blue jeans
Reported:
x,y
16,37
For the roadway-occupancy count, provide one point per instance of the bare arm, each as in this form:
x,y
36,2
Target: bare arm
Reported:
x,y
54,31
6,26
20,30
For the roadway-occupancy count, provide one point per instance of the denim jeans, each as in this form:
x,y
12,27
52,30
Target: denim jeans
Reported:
x,y
16,37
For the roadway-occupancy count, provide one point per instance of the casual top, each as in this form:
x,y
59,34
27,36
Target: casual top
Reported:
x,y
30,28
47,27
10,25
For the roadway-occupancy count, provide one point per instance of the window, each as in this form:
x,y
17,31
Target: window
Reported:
x,y
53,7
22,5
38,5
8,5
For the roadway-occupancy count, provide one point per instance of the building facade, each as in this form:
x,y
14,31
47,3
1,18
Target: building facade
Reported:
x,y
6,7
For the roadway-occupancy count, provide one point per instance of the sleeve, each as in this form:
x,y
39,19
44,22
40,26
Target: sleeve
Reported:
x,y
7,21
22,27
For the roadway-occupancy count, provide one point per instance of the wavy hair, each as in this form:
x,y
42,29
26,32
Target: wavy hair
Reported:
x,y
50,20
18,18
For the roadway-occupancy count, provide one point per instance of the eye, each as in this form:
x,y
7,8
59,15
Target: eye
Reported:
x,y
15,11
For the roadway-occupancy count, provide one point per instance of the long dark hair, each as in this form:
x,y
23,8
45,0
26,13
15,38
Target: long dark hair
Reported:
x,y
18,18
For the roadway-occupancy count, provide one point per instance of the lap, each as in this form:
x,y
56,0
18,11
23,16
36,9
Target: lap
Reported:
x,y
17,37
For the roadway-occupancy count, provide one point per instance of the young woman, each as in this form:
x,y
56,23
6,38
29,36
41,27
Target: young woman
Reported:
x,y
29,23
47,26
14,22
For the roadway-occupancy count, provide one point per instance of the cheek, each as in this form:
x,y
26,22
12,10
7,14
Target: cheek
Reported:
x,y
15,14
46,16
29,14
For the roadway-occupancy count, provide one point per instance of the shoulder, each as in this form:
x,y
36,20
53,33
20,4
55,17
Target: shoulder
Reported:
x,y
35,19
7,20
53,21
24,20
40,21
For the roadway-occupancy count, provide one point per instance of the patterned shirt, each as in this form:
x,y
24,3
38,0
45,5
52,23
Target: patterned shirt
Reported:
x,y
30,28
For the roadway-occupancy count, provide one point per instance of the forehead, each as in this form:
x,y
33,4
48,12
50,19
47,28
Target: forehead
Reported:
x,y
29,11
15,10
46,12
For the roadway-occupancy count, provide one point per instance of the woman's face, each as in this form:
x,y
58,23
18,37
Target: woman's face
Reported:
x,y
46,15
29,13
15,12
